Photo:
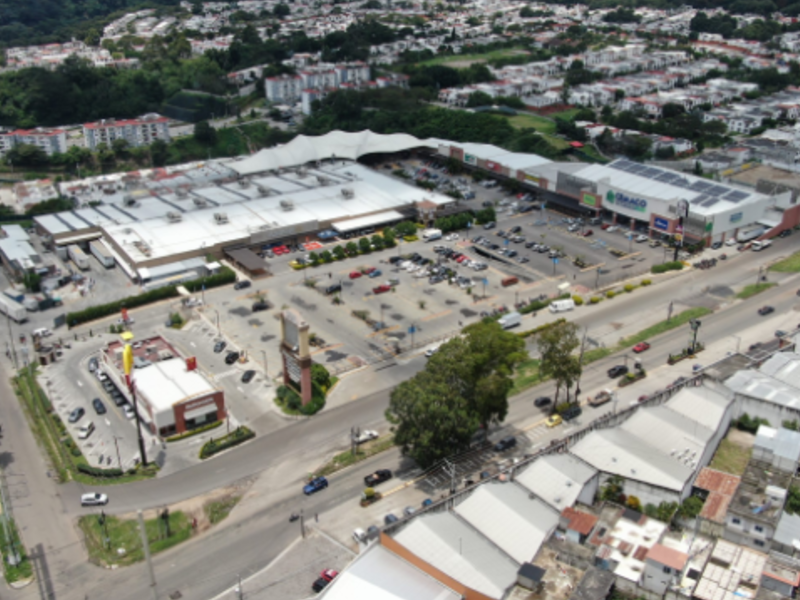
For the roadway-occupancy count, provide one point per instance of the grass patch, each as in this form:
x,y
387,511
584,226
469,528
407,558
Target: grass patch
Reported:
x,y
590,150
566,115
484,57
363,452
590,356
788,265
752,289
23,569
538,123
527,375
103,541
220,509
680,319
731,458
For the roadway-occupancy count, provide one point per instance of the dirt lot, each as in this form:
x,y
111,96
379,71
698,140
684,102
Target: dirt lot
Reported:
x,y
751,176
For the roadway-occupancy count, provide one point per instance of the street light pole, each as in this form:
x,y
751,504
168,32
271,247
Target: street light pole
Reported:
x,y
264,356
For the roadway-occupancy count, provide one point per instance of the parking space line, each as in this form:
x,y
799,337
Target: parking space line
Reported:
x,y
437,315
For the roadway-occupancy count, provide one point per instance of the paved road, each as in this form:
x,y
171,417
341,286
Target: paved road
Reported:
x,y
284,456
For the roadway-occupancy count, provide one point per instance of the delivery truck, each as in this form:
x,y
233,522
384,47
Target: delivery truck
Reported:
x,y
510,320
13,310
432,234
78,257
101,253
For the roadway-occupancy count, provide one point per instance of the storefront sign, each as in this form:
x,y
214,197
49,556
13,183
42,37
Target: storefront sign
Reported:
x,y
661,223
292,367
625,201
191,363
736,217
589,199
532,178
470,160
493,166
198,404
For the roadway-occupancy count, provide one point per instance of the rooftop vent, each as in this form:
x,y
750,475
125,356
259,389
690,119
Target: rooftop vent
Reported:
x,y
244,183
287,205
264,191
174,217
181,193
129,201
302,172
220,218
200,202
347,193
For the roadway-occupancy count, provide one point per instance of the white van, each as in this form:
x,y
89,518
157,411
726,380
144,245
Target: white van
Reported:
x,y
557,306
42,332
759,245
85,430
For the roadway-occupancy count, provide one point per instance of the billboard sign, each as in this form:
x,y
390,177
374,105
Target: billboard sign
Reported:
x,y
589,199
660,223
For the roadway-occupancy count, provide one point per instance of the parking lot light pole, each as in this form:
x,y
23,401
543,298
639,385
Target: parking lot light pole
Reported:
x,y
264,356
216,312
116,444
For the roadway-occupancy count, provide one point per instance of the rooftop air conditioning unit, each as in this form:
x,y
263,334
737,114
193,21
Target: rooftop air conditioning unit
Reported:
x,y
287,205
244,183
129,201
323,180
181,193
302,172
347,193
200,202
220,218
174,217
264,191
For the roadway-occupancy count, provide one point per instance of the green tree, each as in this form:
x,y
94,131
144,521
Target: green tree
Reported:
x,y
612,489
205,133
281,10
479,99
158,153
27,155
377,241
691,507
557,346
320,376
92,37
389,237
526,12
364,245
339,253
351,248
120,147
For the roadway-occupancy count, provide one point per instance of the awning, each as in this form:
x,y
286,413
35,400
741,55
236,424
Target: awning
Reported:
x,y
83,237
388,216
200,412
247,258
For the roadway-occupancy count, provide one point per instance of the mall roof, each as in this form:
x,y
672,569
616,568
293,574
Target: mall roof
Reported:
x,y
507,516
705,197
336,144
379,574
558,479
763,387
166,383
369,221
512,160
450,545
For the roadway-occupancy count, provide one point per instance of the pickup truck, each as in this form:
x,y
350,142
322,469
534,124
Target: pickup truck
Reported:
x,y
601,398
377,477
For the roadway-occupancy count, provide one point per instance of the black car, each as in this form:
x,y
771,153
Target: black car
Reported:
x,y
530,244
506,443
248,375
487,204
515,229
219,346
528,208
336,287
617,371
240,285
542,401
76,415
511,253
785,233
117,398
765,310
716,245
92,365
259,306
99,407
231,358
319,585
377,477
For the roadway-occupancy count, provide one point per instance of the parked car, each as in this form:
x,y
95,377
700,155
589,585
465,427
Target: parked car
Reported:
x,y
231,358
554,421
248,375
389,519
381,289
76,415
375,273
92,365
240,285
128,411
641,238
369,270
259,306
716,245
94,499
220,346
587,233
329,574
333,288
506,443
319,585
315,485
355,274
366,436
641,347
99,407
617,371
542,401
377,477
765,310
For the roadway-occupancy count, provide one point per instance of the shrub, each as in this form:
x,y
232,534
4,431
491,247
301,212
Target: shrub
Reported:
x,y
224,277
237,436
196,431
610,294
577,300
103,310
629,287
594,299
646,282
97,472
667,266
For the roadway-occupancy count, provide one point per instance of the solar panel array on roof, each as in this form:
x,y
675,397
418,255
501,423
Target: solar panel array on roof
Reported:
x,y
700,186
699,199
710,202
718,190
735,196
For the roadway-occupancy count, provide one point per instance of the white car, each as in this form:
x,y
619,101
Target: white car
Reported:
x,y
94,499
642,238
127,410
731,242
100,375
612,229
431,351
367,435
122,321
421,274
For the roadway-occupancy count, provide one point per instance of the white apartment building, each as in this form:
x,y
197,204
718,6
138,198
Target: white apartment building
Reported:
x,y
138,132
49,140
284,88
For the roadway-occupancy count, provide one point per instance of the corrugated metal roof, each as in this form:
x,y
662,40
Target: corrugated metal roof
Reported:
x,y
558,479
506,515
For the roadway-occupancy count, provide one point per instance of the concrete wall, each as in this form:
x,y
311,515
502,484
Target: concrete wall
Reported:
x,y
774,413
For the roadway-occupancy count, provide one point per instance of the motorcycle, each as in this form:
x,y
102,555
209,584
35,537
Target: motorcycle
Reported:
x,y
294,517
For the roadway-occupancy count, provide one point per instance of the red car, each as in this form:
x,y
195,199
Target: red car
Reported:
x,y
355,274
587,233
328,574
461,259
368,270
381,289
605,226
281,250
641,347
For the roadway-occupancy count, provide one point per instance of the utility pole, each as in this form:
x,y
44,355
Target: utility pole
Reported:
x,y
116,444
239,591
450,468
266,373
580,364
683,212
302,524
11,337
146,548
